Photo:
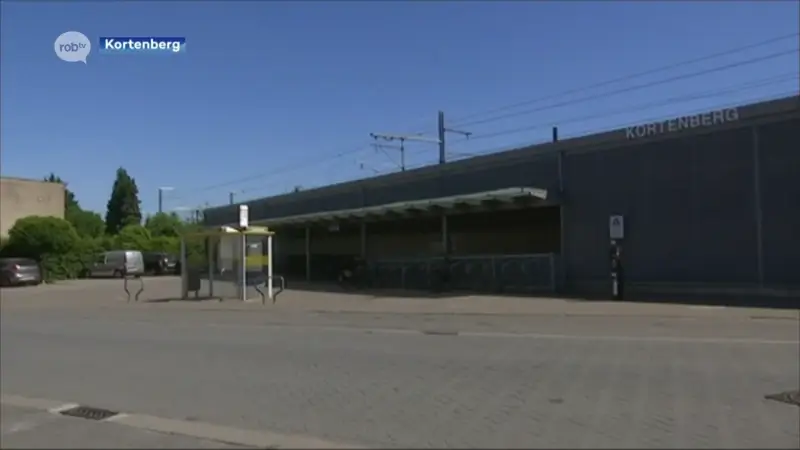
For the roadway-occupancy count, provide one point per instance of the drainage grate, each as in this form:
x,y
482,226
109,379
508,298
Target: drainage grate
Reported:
x,y
87,412
790,397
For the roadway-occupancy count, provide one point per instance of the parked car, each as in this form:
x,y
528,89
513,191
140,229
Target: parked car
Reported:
x,y
19,271
160,263
117,263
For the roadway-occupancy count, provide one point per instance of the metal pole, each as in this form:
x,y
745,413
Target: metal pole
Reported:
x,y
210,251
363,239
445,236
184,271
243,262
759,213
269,267
230,198
562,247
402,155
442,156
308,253
160,200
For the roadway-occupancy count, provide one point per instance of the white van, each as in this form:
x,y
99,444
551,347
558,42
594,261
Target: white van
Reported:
x,y
117,263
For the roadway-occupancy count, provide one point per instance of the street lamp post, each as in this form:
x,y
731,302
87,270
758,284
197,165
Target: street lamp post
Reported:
x,y
161,191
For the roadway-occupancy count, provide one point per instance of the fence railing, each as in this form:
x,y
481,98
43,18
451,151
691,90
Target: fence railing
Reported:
x,y
530,273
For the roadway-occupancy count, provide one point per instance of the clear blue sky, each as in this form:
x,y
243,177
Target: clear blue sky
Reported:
x,y
268,93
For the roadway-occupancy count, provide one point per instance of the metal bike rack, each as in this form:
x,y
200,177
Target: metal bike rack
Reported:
x,y
281,287
136,295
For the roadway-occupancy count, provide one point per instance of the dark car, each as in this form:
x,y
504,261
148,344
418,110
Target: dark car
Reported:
x,y
19,271
160,263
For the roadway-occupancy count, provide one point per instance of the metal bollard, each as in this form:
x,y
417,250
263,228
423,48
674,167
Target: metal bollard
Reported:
x,y
127,291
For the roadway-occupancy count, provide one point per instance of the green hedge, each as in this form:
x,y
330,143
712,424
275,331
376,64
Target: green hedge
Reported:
x,y
63,254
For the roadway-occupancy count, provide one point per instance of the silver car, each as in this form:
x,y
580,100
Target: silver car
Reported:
x,y
117,263
19,271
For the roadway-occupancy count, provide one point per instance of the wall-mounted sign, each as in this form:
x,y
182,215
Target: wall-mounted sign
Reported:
x,y
708,119
616,227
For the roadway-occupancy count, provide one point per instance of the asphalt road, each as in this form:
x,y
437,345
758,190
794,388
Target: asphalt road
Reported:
x,y
566,382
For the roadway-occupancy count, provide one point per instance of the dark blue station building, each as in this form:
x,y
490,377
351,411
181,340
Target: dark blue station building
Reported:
x,y
707,203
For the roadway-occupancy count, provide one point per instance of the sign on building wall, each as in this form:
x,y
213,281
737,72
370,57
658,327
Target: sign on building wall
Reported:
x,y
708,119
616,227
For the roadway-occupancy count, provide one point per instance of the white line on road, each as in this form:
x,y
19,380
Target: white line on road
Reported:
x,y
498,334
667,339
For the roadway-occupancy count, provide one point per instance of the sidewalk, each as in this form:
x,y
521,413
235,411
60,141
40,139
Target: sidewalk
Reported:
x,y
30,428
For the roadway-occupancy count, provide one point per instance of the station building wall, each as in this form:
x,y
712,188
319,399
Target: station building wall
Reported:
x,y
706,206
715,209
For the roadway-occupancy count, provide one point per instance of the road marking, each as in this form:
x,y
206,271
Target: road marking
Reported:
x,y
202,430
300,328
667,339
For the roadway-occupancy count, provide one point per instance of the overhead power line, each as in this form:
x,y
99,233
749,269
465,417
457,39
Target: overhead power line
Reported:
x,y
656,104
325,158
528,143
630,77
672,79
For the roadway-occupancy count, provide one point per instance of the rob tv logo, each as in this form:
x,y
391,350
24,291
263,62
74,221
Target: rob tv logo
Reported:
x,y
73,46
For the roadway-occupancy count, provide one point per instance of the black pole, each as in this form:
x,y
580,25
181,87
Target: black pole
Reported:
x,y
230,197
442,158
160,201
402,156
555,134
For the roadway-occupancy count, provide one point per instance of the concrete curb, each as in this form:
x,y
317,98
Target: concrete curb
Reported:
x,y
201,430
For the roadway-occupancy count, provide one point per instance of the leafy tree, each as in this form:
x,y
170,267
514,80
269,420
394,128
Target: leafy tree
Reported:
x,y
86,223
33,236
123,206
134,237
163,224
51,241
166,244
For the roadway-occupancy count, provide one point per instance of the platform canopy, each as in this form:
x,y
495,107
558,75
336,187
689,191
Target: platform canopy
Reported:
x,y
478,200
226,230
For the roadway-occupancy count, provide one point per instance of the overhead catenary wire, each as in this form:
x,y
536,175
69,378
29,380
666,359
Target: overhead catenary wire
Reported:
x,y
630,77
789,76
656,118
360,148
605,113
672,79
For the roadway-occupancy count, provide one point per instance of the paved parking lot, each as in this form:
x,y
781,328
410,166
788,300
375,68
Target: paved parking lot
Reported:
x,y
691,378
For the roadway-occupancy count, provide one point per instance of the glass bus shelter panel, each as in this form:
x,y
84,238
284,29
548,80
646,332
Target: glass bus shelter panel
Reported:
x,y
227,277
257,262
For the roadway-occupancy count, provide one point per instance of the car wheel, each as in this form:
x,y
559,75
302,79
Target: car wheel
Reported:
x,y
117,274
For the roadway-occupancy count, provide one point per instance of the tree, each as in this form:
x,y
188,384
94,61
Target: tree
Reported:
x,y
51,241
86,223
163,224
134,237
123,206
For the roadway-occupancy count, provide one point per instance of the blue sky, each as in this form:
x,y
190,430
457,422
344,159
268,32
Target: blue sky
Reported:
x,y
270,95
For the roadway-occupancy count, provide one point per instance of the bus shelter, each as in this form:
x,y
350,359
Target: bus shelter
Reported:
x,y
229,263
